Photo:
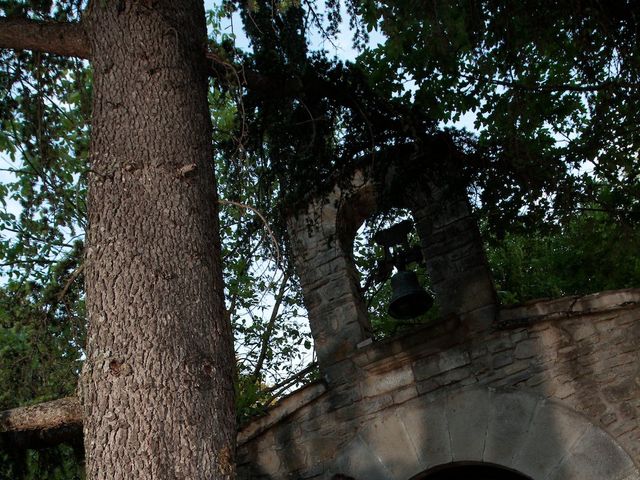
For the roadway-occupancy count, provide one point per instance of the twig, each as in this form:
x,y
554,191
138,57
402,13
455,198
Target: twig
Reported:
x,y
608,84
325,35
292,379
69,282
264,220
264,346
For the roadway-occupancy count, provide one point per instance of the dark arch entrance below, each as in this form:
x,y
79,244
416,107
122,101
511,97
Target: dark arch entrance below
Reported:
x,y
471,471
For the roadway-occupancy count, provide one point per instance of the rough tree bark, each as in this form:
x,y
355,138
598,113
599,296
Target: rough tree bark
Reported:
x,y
157,383
42,425
66,39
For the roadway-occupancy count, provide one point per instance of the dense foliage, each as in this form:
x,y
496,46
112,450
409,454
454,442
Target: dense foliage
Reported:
x,y
589,253
552,88
551,168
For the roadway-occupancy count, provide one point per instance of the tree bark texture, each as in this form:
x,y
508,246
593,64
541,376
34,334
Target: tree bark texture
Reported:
x,y
67,39
42,425
157,385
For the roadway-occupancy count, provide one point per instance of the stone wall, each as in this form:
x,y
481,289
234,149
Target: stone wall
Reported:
x,y
552,390
322,238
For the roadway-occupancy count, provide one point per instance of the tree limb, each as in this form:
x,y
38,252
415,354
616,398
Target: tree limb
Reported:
x,y
563,87
72,278
270,326
60,38
287,382
42,425
70,39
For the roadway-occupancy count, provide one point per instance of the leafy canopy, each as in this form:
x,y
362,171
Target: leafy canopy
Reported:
x,y
552,90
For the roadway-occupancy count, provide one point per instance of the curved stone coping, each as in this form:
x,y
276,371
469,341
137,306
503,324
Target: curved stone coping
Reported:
x,y
280,411
549,309
515,429
446,334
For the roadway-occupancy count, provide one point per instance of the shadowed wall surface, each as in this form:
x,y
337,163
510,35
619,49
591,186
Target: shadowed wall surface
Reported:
x,y
550,390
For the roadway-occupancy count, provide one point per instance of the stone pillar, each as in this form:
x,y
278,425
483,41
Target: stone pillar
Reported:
x,y
453,252
329,279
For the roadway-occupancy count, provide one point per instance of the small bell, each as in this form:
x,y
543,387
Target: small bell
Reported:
x,y
409,299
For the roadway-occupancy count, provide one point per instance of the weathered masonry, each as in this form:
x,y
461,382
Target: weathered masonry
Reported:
x,y
547,390
556,399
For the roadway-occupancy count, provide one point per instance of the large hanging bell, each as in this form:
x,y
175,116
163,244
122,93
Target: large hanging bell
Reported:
x,y
408,299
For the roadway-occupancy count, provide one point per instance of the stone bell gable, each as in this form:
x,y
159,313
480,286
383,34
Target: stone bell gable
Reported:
x,y
549,390
322,238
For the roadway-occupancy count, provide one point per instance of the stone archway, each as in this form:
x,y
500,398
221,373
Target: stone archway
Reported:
x,y
322,235
475,471
536,437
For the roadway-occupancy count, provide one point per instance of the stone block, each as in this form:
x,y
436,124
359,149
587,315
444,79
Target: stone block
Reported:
x,y
440,363
315,274
626,318
480,319
519,335
314,471
595,456
508,424
339,371
606,300
554,338
376,404
608,418
515,367
427,386
358,461
537,379
464,292
427,427
499,344
501,360
582,330
453,359
565,390
526,349
426,367
478,350
342,397
320,448
453,376
388,438
270,463
468,417
373,385
551,431
606,325
405,394
480,366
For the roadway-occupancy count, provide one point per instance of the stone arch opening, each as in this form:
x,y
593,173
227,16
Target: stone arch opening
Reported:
x,y
532,435
471,471
375,270
322,239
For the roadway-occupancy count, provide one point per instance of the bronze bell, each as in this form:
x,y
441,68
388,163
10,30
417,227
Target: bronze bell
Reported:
x,y
408,299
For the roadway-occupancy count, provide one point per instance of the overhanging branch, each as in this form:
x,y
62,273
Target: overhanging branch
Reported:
x,y
42,425
69,39
60,38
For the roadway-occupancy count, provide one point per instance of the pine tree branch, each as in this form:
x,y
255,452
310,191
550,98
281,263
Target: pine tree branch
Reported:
x,y
42,425
562,87
60,38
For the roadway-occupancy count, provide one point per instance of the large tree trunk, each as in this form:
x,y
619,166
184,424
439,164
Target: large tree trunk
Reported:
x,y
157,385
